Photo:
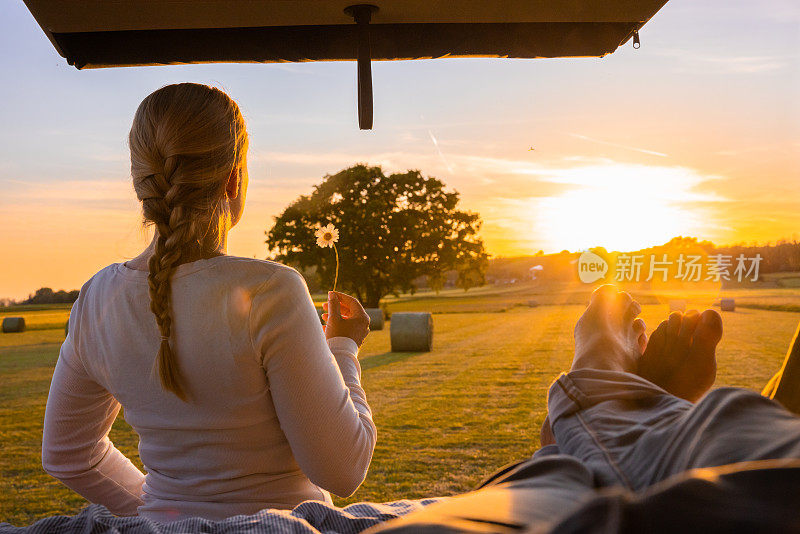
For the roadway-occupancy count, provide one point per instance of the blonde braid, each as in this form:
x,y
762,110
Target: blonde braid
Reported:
x,y
185,141
174,230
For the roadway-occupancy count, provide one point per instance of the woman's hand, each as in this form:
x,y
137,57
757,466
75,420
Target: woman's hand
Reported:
x,y
345,317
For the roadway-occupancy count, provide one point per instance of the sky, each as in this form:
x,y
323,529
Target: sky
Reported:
x,y
695,133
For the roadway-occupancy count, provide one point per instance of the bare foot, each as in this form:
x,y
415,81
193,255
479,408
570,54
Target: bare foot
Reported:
x,y
680,354
608,335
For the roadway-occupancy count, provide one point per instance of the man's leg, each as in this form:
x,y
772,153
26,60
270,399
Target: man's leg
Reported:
x,y
759,497
536,494
631,432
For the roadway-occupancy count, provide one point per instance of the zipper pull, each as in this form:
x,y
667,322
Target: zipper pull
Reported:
x,y
636,43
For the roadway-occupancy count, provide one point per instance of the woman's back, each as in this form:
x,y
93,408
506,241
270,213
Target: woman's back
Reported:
x,y
270,411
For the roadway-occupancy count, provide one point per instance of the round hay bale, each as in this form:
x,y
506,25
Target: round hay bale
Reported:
x,y
375,318
66,329
677,305
13,324
727,304
533,303
411,332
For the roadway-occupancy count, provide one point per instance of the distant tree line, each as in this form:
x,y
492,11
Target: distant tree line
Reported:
x,y
783,256
776,257
45,295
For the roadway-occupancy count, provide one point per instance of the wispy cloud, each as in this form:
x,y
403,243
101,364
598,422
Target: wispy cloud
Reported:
x,y
120,156
745,64
100,194
742,64
13,181
617,145
788,147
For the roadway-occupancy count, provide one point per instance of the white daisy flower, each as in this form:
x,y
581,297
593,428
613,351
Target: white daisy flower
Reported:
x,y
327,236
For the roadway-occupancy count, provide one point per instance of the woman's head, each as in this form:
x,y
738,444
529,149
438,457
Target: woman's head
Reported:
x,y
188,147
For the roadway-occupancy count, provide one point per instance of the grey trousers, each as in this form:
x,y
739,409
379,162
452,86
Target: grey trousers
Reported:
x,y
633,458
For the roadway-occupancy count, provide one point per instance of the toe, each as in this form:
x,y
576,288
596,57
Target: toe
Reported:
x,y
653,352
603,293
624,299
702,356
709,328
688,326
633,309
639,326
640,331
674,324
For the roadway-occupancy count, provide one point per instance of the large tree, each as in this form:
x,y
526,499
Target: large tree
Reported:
x,y
392,230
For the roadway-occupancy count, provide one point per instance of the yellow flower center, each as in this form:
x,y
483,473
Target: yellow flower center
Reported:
x,y
327,236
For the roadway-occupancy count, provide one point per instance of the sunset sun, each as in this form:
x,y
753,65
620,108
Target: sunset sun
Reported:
x,y
623,207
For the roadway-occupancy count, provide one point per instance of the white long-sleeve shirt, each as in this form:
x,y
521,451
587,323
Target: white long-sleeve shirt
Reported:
x,y
277,414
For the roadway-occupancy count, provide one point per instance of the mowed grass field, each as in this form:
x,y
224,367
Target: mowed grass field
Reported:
x,y
445,418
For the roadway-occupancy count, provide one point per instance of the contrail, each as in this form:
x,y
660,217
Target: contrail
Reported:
x,y
626,147
436,144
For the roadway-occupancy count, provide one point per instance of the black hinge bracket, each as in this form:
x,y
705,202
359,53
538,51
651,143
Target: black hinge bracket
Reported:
x,y
362,14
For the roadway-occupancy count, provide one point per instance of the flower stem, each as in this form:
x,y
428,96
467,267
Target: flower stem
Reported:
x,y
336,278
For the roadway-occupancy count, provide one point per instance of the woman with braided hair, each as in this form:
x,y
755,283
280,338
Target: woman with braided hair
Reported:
x,y
240,400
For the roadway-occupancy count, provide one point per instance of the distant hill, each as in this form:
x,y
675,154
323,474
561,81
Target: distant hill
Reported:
x,y
780,257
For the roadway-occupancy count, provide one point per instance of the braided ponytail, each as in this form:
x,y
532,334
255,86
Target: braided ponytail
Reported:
x,y
185,142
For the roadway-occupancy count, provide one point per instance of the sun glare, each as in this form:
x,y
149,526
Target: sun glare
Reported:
x,y
623,207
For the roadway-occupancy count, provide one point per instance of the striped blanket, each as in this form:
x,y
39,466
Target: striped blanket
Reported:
x,y
311,517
